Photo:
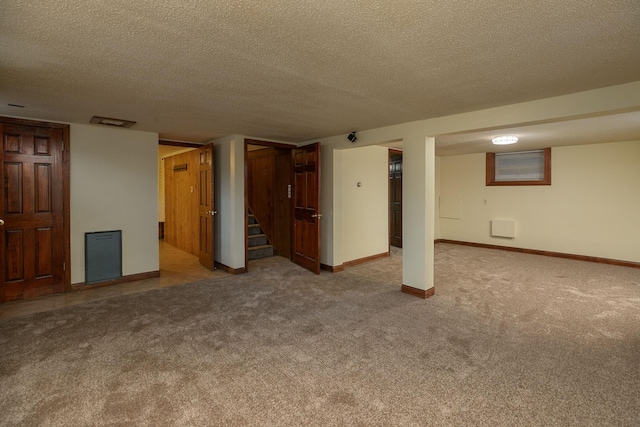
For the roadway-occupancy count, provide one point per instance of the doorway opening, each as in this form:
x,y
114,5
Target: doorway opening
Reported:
x,y
268,192
177,198
395,198
282,201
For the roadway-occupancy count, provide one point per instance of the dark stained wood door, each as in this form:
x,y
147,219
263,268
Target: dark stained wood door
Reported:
x,y
32,212
206,210
306,197
395,198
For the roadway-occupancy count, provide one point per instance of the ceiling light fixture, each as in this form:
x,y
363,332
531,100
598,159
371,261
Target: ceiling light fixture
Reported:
x,y
505,140
112,122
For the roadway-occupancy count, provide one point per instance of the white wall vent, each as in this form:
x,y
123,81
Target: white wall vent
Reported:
x,y
503,228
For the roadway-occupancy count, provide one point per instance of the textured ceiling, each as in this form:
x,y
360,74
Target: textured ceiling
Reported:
x,y
594,130
297,70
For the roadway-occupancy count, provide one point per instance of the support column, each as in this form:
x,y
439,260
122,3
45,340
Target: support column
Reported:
x,y
418,216
229,201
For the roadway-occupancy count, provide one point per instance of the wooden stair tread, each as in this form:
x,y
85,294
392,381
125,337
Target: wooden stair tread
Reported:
x,y
259,247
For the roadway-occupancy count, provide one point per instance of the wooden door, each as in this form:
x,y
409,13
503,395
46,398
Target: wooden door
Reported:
x,y
32,233
306,233
283,197
206,210
395,198
182,220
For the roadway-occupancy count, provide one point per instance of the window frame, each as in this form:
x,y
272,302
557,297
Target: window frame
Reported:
x,y
491,171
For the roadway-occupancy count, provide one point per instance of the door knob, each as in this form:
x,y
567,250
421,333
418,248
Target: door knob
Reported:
x,y
214,213
1,222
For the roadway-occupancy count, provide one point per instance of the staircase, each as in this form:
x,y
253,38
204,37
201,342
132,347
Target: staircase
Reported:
x,y
259,246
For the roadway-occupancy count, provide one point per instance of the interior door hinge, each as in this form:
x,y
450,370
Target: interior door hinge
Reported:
x,y
62,145
64,266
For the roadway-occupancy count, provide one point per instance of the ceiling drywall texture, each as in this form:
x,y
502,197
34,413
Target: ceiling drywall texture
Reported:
x,y
594,130
297,70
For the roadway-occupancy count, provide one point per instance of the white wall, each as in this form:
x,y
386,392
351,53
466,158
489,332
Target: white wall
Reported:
x,y
365,209
229,201
437,198
592,207
330,190
114,186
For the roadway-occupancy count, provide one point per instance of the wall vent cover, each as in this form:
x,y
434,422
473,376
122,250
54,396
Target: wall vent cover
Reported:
x,y
107,121
503,228
103,256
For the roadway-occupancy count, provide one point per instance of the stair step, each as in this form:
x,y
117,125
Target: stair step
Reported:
x,y
258,252
255,229
259,246
258,240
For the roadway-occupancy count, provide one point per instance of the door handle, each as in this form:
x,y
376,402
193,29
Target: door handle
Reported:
x,y
316,216
1,222
213,213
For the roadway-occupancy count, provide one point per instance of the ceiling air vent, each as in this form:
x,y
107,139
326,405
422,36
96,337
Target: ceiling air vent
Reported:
x,y
112,122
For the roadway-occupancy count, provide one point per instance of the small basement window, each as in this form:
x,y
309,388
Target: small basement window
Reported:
x,y
519,168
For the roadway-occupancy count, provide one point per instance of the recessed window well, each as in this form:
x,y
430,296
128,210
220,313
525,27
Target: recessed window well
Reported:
x,y
519,168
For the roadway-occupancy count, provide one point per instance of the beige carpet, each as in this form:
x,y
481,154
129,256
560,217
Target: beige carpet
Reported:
x,y
508,340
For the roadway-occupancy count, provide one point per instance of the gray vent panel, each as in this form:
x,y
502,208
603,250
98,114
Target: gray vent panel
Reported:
x,y
103,256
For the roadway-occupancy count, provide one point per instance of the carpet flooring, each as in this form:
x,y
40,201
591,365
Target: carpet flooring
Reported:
x,y
508,340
